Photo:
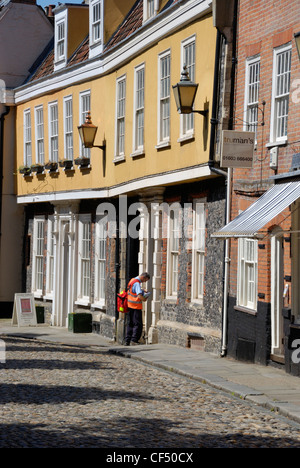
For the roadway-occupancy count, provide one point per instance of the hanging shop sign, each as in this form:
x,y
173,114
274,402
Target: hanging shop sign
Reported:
x,y
237,149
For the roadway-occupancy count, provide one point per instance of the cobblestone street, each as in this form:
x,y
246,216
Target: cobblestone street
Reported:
x,y
59,396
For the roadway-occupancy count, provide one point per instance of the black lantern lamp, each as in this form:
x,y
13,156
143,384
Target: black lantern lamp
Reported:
x,y
185,93
87,132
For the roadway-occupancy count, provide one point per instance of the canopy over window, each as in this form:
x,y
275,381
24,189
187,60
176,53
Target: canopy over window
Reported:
x,y
261,212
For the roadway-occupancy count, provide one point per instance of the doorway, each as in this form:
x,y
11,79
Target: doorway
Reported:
x,y
65,280
277,286
64,266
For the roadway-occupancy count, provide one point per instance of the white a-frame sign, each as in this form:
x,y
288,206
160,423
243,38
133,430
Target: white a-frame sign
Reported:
x,y
24,313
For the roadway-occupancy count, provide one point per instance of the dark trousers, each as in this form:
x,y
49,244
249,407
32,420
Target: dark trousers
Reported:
x,y
134,325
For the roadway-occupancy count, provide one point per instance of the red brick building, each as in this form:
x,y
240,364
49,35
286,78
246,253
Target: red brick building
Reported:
x,y
263,315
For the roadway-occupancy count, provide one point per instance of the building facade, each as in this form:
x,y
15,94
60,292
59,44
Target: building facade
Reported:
x,y
263,304
18,51
150,195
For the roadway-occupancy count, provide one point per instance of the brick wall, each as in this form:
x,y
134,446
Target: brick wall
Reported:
x,y
263,26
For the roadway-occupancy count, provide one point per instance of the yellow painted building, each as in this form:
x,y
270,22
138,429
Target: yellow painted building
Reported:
x,y
119,60
156,157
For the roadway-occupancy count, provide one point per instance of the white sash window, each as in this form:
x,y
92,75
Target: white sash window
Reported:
x,y
281,91
247,273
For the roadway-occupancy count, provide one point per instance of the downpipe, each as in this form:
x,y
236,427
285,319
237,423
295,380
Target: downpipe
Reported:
x,y
229,181
226,269
2,118
227,175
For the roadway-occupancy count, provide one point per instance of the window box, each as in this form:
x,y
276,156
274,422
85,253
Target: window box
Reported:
x,y
83,162
37,168
25,170
51,166
67,164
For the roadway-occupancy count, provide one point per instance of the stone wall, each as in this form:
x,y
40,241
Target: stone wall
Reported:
x,y
181,317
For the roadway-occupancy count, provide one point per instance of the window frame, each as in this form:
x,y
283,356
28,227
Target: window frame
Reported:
x,y
53,131
84,152
60,57
83,298
251,108
243,276
27,137
96,45
60,41
120,155
173,250
187,121
150,9
276,99
139,110
68,149
39,135
100,259
163,139
96,8
37,285
50,258
198,250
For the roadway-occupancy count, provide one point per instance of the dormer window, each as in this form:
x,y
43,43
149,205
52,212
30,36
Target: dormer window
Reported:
x,y
60,40
150,8
60,31
96,22
71,26
96,27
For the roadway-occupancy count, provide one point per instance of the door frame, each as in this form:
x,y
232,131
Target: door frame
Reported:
x,y
277,287
65,231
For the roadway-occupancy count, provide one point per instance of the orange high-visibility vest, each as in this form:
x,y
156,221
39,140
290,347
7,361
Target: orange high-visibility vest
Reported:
x,y
134,302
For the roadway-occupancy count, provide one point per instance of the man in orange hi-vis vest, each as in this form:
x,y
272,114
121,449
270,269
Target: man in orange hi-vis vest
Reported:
x,y
135,298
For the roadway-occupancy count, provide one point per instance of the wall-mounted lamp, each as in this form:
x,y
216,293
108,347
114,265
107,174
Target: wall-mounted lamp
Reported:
x,y
297,40
185,93
87,132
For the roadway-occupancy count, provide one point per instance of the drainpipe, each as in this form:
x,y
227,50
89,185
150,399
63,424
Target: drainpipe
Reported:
x,y
229,177
226,269
214,120
228,174
2,118
117,268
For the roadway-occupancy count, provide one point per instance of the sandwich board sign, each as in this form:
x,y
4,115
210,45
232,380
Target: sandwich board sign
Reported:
x,y
24,313
237,149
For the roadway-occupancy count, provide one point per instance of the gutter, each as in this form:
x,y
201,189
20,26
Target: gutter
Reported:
x,y
2,118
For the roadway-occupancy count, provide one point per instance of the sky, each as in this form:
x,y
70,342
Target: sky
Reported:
x,y
44,3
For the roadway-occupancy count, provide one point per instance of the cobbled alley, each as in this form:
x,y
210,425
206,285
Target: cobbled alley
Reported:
x,y
60,396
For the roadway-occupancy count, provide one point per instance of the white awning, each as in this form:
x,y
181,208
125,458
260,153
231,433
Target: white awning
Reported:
x,y
262,211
